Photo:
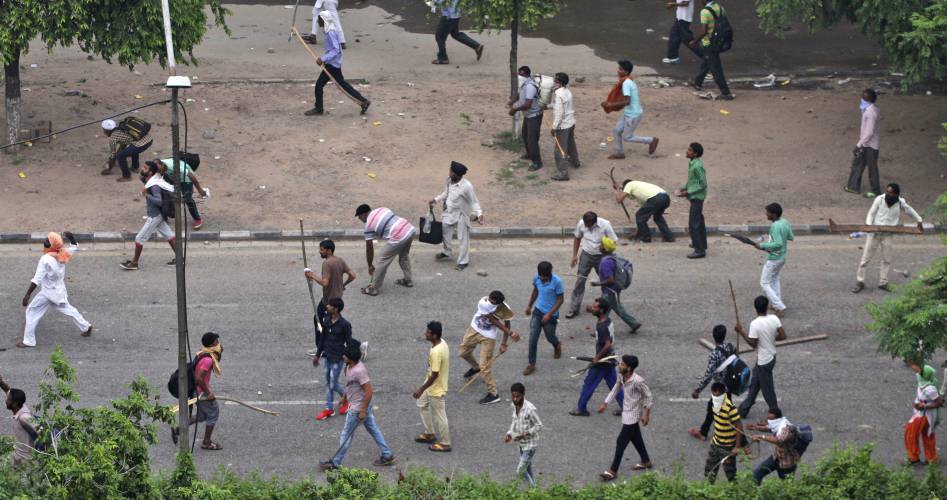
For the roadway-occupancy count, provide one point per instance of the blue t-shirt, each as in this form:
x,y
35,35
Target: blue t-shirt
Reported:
x,y
548,293
630,89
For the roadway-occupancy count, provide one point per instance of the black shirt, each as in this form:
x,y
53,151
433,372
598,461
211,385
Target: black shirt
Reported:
x,y
335,336
603,332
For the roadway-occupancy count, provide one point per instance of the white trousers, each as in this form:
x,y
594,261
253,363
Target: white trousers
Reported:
x,y
37,309
769,281
338,22
462,227
876,240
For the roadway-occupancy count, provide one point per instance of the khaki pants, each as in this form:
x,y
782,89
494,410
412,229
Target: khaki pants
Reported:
x,y
388,253
874,241
434,417
471,340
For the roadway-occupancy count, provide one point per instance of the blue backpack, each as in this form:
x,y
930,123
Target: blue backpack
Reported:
x,y
624,271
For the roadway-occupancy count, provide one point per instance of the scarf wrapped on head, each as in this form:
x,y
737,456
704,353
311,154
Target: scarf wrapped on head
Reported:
x,y
329,21
928,377
214,352
56,248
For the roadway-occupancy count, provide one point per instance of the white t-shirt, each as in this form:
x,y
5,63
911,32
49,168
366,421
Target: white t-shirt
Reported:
x,y
481,322
763,329
686,13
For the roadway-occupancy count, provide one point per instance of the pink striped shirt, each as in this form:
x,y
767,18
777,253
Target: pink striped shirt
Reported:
x,y
383,223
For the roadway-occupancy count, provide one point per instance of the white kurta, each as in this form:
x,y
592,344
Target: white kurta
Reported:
x,y
50,277
331,6
460,203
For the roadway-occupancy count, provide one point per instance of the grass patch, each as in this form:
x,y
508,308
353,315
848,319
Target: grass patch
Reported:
x,y
506,140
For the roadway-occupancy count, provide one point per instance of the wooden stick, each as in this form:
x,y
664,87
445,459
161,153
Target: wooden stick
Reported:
x,y
736,312
194,401
322,67
865,228
477,375
312,297
779,343
558,145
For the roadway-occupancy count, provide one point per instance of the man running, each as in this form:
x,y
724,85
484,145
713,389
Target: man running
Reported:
x,y
155,221
483,332
331,63
431,394
450,25
628,122
50,276
604,348
460,203
382,223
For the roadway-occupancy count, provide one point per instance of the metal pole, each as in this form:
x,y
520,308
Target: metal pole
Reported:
x,y
184,413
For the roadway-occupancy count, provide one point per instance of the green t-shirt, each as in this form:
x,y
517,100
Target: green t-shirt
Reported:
x,y
707,19
185,170
696,180
780,234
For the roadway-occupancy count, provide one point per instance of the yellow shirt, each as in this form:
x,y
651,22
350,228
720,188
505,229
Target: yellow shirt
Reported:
x,y
642,191
438,361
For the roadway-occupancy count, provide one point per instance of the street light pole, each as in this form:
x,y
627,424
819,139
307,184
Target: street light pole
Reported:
x,y
175,83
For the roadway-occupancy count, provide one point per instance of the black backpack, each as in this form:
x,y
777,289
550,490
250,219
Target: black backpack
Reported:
x,y
803,438
167,204
135,127
721,40
191,385
736,375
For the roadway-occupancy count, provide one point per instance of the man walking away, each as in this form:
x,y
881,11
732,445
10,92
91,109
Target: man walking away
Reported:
x,y
331,62
358,397
459,202
696,192
483,332
654,201
50,276
720,353
188,182
710,16
636,408
680,31
382,223
125,143
780,234
611,292
207,360
528,102
628,122
885,211
563,127
588,237
431,394
331,6
525,431
727,425
605,339
155,222
333,268
331,344
548,295
926,417
450,25
866,149
790,445
765,330
24,429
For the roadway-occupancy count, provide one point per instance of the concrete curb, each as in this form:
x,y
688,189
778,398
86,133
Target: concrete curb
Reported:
x,y
477,232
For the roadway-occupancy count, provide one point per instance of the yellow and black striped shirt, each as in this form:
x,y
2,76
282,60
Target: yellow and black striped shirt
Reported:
x,y
725,432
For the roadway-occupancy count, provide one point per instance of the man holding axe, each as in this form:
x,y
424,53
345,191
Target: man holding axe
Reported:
x,y
492,314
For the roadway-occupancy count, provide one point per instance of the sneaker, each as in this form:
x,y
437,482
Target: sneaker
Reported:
x,y
471,372
676,60
364,106
197,224
312,352
490,399
325,414
725,97
344,408
635,329
129,265
479,51
577,413
460,267
653,146
314,112
557,351
327,465
696,255
870,194
859,286
172,263
383,461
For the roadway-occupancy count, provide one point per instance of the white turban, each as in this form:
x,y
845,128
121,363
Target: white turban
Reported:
x,y
109,124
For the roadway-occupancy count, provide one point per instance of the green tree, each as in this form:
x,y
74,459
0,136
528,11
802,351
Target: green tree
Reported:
x,y
912,33
130,31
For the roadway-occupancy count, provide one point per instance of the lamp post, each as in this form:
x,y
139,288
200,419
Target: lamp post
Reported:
x,y
176,83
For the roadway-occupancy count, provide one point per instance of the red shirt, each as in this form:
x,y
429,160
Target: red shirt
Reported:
x,y
205,366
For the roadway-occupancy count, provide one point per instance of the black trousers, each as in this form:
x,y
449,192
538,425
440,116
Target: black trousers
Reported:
x,y
530,136
865,157
653,208
711,64
132,151
451,27
187,191
680,33
696,227
762,380
339,79
629,433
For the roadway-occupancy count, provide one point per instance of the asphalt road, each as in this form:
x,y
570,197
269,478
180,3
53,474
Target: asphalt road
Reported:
x,y
255,296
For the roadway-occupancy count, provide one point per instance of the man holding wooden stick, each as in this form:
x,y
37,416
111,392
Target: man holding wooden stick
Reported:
x,y
885,211
333,268
331,63
765,330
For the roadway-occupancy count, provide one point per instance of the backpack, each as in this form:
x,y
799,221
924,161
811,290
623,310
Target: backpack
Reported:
x,y
721,40
135,127
803,438
167,204
624,272
736,375
191,385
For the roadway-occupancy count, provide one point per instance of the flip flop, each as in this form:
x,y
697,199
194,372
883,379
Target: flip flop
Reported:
x,y
607,476
425,438
439,447
212,446
641,466
369,291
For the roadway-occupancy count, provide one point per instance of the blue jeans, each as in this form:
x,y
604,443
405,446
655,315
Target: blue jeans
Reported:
x,y
130,151
593,378
333,369
351,423
525,468
769,465
535,325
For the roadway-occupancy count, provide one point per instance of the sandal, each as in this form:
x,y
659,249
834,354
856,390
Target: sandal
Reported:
x,y
607,476
403,282
368,290
439,447
425,438
646,465
212,446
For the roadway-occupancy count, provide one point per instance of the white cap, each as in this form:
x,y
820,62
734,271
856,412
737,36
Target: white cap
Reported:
x,y
109,124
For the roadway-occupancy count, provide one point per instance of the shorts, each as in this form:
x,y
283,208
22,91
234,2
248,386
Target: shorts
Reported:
x,y
208,412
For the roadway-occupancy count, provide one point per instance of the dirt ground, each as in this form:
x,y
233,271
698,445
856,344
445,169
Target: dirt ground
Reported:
x,y
267,164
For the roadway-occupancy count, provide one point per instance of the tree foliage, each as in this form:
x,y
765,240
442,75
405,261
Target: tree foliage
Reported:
x,y
498,14
912,33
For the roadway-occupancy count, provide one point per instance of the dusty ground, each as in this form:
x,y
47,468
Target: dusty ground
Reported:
x,y
268,165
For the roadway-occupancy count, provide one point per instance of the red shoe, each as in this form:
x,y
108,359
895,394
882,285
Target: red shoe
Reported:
x,y
344,408
197,224
325,414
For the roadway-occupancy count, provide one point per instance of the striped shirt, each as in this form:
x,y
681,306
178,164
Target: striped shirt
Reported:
x,y
526,421
119,140
637,398
725,421
383,223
